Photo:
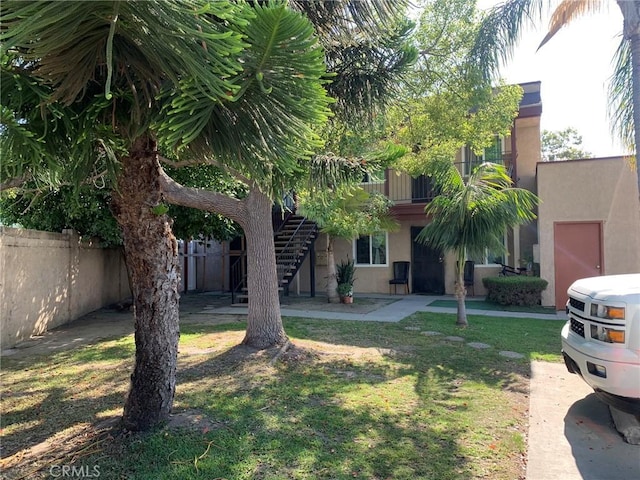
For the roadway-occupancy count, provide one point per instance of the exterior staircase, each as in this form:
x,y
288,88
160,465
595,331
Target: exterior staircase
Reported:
x,y
294,238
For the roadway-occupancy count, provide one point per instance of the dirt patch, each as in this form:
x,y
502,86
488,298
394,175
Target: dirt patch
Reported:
x,y
359,305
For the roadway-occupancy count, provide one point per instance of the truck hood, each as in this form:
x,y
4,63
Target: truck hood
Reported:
x,y
610,287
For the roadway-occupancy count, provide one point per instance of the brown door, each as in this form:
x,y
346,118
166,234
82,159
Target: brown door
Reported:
x,y
577,253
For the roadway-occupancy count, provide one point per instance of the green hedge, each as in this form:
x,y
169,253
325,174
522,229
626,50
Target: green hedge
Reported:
x,y
516,290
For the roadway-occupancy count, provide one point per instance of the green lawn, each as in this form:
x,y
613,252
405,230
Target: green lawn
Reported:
x,y
496,307
350,400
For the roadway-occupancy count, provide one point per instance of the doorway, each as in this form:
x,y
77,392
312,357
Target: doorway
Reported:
x,y
427,267
577,250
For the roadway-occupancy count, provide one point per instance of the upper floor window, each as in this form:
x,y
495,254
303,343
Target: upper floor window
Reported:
x,y
493,153
371,249
377,176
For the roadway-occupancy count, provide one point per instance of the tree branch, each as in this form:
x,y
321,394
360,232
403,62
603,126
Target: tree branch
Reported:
x,y
202,199
15,182
192,163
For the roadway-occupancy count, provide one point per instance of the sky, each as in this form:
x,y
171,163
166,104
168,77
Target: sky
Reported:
x,y
574,68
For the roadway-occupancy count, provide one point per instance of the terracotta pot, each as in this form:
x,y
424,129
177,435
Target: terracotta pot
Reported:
x,y
347,299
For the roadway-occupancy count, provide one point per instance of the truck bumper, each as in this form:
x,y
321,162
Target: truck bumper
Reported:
x,y
615,383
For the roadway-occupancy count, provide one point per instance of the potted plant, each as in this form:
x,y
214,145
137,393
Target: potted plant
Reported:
x,y
345,275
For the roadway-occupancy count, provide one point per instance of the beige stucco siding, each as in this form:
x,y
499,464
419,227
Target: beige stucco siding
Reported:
x,y
48,279
527,140
602,190
375,279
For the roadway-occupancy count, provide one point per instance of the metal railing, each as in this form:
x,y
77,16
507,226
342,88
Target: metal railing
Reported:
x,y
402,189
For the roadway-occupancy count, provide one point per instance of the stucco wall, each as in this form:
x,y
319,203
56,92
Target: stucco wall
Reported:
x,y
48,279
375,279
599,189
528,150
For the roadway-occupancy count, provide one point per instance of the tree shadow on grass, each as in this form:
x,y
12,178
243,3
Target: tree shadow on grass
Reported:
x,y
52,405
289,419
321,414
344,403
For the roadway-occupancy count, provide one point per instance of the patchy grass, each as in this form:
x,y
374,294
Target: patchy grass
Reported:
x,y
496,307
348,400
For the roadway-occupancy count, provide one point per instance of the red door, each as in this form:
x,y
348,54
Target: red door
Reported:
x,y
577,254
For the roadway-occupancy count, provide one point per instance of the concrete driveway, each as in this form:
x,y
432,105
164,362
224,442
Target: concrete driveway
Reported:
x,y
571,433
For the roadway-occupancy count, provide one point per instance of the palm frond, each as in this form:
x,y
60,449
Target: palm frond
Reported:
x,y
50,142
620,107
473,216
368,73
336,17
327,171
566,12
500,31
96,47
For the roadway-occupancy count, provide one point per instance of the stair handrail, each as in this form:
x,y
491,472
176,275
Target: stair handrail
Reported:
x,y
237,265
294,235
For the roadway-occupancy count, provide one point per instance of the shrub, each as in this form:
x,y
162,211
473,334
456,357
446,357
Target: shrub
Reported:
x,y
516,290
346,272
345,275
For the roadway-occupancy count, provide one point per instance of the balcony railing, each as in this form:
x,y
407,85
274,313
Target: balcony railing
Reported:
x,y
402,189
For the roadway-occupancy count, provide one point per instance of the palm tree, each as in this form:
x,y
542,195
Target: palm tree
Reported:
x,y
503,25
469,217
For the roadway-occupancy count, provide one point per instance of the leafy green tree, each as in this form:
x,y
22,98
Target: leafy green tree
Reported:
x,y
346,211
366,58
502,27
239,121
86,208
98,88
446,104
469,217
562,145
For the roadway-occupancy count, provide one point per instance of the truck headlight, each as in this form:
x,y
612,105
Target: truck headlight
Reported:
x,y
604,311
608,335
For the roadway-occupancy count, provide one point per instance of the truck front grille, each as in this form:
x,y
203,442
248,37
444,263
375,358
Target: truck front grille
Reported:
x,y
577,327
577,304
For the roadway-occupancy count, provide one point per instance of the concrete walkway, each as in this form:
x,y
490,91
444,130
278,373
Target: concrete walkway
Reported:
x,y
402,307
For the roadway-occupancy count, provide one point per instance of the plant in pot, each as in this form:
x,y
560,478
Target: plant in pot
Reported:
x,y
345,275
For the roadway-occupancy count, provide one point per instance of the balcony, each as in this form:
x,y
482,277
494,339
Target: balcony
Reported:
x,y
410,195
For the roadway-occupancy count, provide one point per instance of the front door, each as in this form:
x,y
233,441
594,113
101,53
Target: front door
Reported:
x,y
577,250
427,267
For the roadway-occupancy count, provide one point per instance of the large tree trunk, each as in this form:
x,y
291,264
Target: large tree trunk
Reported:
x,y
253,214
631,14
152,261
332,279
264,321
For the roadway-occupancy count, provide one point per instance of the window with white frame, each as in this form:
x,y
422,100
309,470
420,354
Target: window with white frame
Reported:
x,y
491,257
371,249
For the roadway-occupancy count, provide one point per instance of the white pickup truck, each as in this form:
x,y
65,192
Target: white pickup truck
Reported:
x,y
601,339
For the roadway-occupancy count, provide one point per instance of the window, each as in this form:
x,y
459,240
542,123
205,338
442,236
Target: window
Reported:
x,y
491,257
376,176
493,153
371,249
